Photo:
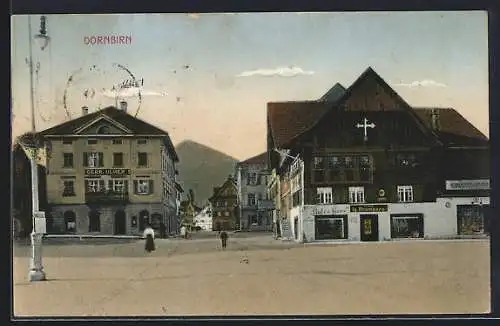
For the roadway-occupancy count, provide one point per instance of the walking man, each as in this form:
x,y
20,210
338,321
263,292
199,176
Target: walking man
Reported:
x,y
223,239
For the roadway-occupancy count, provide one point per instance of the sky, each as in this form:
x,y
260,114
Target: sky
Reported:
x,y
208,77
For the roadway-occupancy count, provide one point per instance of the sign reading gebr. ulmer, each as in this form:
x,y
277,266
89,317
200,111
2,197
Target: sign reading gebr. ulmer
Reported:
x,y
368,208
110,172
482,184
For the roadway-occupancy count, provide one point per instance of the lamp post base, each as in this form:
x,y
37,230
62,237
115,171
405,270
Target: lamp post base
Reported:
x,y
36,272
36,275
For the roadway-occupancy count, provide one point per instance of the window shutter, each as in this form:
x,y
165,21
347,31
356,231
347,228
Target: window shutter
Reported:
x,y
258,176
110,185
125,186
101,159
151,187
136,183
85,159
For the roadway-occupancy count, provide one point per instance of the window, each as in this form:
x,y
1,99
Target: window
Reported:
x,y
93,159
143,187
471,219
252,178
324,195
331,227
406,160
117,141
405,194
119,186
407,226
333,162
251,200
68,160
94,186
296,199
356,195
226,213
348,162
219,214
103,130
67,141
117,159
319,169
68,188
142,141
142,159
91,141
254,220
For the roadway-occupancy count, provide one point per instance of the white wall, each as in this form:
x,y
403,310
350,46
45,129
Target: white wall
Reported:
x,y
439,220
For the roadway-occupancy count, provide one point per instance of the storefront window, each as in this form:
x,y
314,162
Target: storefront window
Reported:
x,y
471,219
330,227
407,226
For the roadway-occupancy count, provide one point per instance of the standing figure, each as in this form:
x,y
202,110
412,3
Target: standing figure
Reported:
x,y
183,232
223,239
149,235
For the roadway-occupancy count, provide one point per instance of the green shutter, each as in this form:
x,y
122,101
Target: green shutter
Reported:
x,y
110,185
125,186
101,159
85,159
151,187
135,186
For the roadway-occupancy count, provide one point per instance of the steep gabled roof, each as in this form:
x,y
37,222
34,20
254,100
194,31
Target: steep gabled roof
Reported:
x,y
136,125
257,159
218,190
288,120
454,129
334,94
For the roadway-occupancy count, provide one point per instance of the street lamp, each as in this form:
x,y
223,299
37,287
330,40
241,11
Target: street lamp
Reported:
x,y
36,272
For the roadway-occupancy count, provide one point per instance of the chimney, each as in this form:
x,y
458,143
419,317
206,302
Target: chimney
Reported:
x,y
85,110
436,124
123,106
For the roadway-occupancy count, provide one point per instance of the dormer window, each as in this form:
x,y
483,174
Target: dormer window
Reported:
x,y
103,130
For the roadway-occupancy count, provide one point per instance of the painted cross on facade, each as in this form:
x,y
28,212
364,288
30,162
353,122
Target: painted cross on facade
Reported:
x,y
365,125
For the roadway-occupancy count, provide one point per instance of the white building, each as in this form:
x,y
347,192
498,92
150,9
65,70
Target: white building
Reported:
x,y
204,218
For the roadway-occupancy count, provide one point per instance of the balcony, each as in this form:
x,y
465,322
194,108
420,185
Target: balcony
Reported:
x,y
106,197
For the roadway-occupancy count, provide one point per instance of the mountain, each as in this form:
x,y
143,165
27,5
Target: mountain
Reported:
x,y
201,168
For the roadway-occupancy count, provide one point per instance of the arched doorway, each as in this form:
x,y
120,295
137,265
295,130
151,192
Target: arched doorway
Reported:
x,y
94,221
120,222
70,221
143,219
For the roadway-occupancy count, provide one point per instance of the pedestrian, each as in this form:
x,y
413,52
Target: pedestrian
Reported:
x,y
183,232
223,238
163,231
149,235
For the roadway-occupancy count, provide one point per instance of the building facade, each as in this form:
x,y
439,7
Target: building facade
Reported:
x,y
224,202
252,179
110,173
363,165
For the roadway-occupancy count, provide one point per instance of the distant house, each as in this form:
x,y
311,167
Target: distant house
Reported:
x,y
21,191
224,201
252,176
188,211
204,218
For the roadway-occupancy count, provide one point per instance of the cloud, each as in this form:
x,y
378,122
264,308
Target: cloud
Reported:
x,y
422,83
131,92
290,71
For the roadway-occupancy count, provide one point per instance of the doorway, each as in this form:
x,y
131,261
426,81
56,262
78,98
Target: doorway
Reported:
x,y
369,227
120,222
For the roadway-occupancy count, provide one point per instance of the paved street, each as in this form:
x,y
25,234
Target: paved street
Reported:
x,y
194,277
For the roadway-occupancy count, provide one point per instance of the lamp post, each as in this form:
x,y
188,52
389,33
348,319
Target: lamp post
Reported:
x,y
36,272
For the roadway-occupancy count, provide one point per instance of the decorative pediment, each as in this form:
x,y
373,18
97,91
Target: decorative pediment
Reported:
x,y
102,125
